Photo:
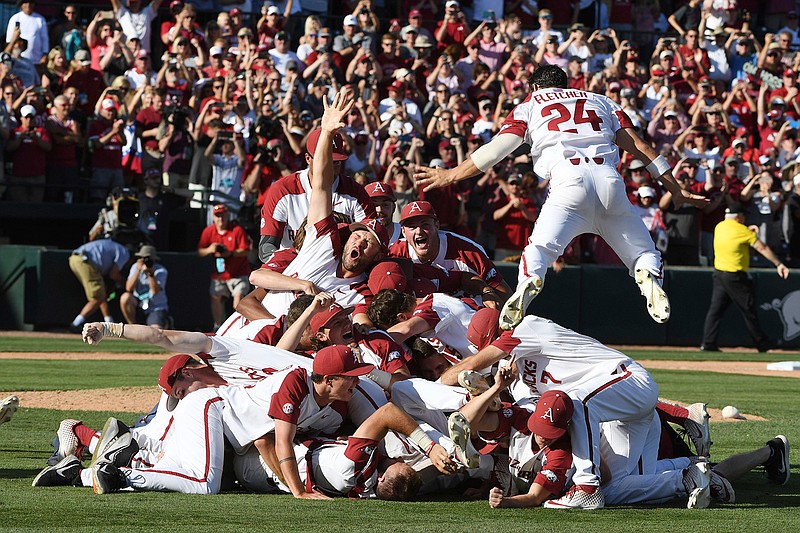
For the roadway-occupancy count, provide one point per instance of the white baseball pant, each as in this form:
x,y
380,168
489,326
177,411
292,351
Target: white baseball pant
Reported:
x,y
428,401
588,198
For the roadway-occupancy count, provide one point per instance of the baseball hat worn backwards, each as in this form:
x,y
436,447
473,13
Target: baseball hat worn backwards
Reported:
x,y
378,189
483,327
166,377
339,151
321,319
387,275
339,360
377,230
552,415
420,208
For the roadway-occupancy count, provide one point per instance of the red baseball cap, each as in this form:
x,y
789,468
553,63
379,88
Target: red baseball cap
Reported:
x,y
417,209
378,189
414,13
483,327
166,378
387,275
339,360
445,144
321,319
377,230
339,150
235,11
220,208
552,415
397,85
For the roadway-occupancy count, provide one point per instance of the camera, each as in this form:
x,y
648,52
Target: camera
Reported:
x,y
148,262
225,135
221,249
113,92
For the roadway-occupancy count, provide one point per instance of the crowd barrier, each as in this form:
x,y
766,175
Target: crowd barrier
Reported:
x,y
39,292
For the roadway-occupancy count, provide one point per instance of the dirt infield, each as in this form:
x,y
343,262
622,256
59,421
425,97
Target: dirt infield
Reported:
x,y
142,399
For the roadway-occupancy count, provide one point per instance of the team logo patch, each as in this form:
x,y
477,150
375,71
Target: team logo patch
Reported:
x,y
507,413
394,355
550,475
492,273
415,207
288,408
548,415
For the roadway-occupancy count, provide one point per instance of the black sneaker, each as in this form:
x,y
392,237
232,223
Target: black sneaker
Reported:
x,y
116,446
777,467
65,472
107,478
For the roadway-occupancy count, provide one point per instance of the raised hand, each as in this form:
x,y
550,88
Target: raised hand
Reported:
x,y
92,333
333,116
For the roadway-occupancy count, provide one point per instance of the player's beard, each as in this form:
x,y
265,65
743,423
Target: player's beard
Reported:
x,y
354,261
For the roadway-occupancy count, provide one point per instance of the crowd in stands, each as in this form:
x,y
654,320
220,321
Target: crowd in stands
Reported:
x,y
223,98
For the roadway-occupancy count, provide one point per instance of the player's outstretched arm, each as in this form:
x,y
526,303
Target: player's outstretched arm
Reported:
x,y
291,337
481,160
169,339
284,448
628,140
483,359
320,204
534,498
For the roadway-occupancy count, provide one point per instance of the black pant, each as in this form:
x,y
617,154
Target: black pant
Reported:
x,y
736,287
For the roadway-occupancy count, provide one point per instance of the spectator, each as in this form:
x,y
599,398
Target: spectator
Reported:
x,y
106,140
732,284
549,55
228,243
687,17
22,67
92,263
30,145
31,27
62,162
681,225
56,69
227,167
99,36
282,55
762,210
86,80
345,44
148,121
791,222
145,298
453,28
135,20
142,73
156,207
514,215
546,30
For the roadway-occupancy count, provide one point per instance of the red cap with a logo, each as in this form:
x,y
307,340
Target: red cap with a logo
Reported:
x,y
377,230
483,327
339,360
552,415
378,189
417,209
387,275
321,319
339,150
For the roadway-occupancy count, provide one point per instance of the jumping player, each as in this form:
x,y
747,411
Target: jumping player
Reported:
x,y
574,137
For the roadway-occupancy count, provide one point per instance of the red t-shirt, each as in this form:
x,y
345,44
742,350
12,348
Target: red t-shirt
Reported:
x,y
513,230
147,119
29,159
90,85
63,155
110,154
233,239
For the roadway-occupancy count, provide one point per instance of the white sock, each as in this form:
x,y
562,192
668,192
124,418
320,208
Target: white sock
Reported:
x,y
93,442
78,321
86,477
108,319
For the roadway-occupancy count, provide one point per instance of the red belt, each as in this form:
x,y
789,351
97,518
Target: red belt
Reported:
x,y
577,160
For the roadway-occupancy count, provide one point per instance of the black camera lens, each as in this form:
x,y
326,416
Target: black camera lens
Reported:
x,y
148,262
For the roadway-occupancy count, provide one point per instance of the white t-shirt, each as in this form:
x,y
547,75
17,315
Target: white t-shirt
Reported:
x,y
32,28
137,24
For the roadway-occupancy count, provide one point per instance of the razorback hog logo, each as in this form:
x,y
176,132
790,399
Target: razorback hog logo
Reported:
x,y
789,312
288,408
550,475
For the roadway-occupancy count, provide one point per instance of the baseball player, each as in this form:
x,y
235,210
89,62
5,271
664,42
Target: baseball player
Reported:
x,y
384,202
288,199
423,242
605,385
574,137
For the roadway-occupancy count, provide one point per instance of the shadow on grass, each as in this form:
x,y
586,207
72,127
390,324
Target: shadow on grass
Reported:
x,y
18,473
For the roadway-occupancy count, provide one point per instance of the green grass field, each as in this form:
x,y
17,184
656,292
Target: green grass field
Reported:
x,y
25,444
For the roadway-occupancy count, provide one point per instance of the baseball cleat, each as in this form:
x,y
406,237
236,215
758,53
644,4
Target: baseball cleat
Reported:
x,y
107,478
460,432
65,472
657,300
476,384
515,307
584,497
7,408
117,446
66,442
696,427
777,466
697,482
721,489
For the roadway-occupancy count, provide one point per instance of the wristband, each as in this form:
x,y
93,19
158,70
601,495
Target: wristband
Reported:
x,y
381,377
421,439
113,329
658,167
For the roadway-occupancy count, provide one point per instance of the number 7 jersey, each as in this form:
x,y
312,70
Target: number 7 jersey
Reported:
x,y
562,124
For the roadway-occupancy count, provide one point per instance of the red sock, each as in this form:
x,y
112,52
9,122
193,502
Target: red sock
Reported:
x,y
672,413
84,434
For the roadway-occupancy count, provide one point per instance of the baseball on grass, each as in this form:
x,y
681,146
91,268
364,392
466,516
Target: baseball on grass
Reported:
x,y
730,411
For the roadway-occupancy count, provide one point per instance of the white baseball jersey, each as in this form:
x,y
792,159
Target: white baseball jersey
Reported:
x,y
563,124
550,356
449,319
317,262
286,204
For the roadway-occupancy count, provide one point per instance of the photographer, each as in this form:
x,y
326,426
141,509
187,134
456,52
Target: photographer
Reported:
x,y
176,142
226,177
105,143
264,168
145,299
453,29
